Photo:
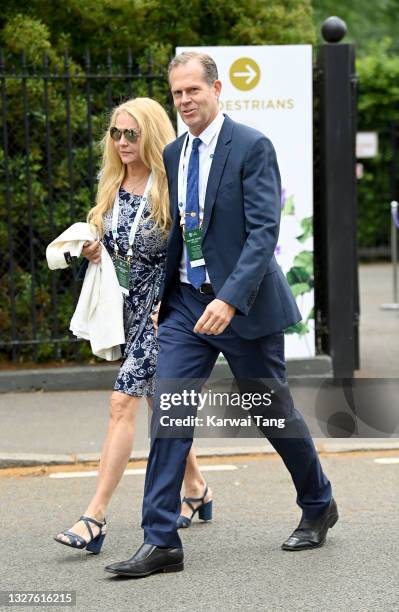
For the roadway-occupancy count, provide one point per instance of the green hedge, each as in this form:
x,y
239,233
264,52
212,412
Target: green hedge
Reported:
x,y
378,105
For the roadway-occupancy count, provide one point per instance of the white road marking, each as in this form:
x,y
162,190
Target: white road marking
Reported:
x,y
140,471
387,460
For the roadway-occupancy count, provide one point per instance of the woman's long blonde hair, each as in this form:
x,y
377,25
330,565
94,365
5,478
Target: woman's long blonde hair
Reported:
x,y
156,132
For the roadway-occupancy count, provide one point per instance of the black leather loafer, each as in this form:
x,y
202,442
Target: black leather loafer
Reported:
x,y
312,533
148,560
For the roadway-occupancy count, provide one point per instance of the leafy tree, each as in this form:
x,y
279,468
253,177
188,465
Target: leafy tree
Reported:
x,y
378,104
368,21
160,25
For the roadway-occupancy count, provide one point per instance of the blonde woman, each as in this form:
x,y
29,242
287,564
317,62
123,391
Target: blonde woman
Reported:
x,y
132,169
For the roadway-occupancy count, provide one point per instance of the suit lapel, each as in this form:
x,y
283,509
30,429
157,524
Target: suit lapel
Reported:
x,y
173,173
220,156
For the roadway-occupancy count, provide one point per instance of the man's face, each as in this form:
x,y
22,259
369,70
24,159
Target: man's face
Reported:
x,y
196,101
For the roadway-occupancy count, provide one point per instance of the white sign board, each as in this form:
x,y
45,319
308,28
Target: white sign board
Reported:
x,y
270,88
366,145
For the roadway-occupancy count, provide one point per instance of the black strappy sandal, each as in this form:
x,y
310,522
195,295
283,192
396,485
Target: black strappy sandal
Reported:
x,y
204,510
76,541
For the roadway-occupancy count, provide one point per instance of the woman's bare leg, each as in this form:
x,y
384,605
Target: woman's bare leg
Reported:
x,y
194,483
114,457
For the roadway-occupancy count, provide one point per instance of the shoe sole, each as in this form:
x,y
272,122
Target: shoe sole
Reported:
x,y
78,547
176,567
190,525
331,524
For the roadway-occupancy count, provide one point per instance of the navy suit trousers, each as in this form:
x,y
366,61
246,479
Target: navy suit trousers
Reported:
x,y
186,355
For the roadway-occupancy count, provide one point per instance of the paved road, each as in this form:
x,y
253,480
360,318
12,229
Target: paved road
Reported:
x,y
234,563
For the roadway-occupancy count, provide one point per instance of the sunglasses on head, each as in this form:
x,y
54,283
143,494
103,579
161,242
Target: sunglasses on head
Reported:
x,y
130,135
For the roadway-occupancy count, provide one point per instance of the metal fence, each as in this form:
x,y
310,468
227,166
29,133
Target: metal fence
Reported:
x,y
52,117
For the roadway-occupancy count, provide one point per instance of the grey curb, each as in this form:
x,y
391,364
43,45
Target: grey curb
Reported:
x,y
10,460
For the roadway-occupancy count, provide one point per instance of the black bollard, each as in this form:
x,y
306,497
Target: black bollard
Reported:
x,y
336,207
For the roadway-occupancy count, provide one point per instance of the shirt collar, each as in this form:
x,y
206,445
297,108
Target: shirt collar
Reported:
x,y
210,132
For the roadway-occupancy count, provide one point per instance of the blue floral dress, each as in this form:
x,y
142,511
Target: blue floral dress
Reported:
x,y
147,267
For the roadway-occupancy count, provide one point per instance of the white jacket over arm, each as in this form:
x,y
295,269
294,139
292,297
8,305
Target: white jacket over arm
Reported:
x,y
99,313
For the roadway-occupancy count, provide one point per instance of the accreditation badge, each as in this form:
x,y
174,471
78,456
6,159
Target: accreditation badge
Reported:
x,y
122,269
193,239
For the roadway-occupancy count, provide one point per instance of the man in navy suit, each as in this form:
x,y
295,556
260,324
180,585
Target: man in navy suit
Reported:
x,y
224,292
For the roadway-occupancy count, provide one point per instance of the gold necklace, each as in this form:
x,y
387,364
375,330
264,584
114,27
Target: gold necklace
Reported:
x,y
133,188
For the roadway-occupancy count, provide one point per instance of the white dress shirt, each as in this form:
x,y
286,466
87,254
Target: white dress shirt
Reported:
x,y
209,138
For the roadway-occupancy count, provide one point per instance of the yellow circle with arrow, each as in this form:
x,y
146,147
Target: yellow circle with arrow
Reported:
x,y
244,73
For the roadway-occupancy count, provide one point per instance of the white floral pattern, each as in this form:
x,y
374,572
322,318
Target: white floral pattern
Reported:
x,y
136,375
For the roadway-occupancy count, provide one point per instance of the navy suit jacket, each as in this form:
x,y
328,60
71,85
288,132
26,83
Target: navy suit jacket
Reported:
x,y
240,231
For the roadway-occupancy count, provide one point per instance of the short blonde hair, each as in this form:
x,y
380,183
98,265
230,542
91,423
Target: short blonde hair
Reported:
x,y
156,132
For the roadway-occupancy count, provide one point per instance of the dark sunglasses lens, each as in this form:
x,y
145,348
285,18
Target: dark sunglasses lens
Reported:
x,y
115,133
131,135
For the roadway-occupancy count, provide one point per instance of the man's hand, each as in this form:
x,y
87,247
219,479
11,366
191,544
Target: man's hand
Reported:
x,y
215,318
154,315
92,251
